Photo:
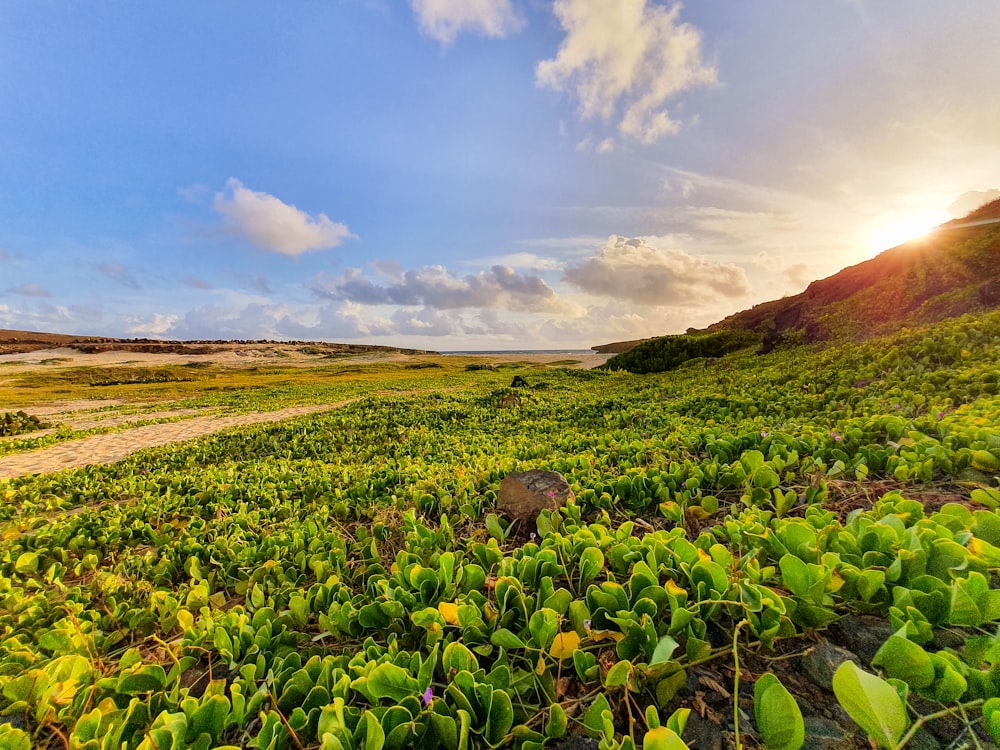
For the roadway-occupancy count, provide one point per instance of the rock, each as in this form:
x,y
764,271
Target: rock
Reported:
x,y
823,660
824,734
518,382
576,743
702,734
524,494
862,634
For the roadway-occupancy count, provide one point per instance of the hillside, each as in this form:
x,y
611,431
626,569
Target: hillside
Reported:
x,y
952,271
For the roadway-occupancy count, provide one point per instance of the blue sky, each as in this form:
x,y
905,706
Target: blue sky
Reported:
x,y
455,174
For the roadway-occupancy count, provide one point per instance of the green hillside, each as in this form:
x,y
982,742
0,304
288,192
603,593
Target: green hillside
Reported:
x,y
952,271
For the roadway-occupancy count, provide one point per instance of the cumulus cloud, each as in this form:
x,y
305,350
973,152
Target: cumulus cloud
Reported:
x,y
444,20
271,224
436,288
635,271
968,202
624,59
154,325
119,274
30,290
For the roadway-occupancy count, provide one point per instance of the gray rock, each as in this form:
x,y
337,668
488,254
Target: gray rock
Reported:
x,y
824,734
823,660
525,494
862,634
576,743
702,734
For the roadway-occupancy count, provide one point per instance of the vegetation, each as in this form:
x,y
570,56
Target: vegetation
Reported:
x,y
18,423
670,352
343,581
952,271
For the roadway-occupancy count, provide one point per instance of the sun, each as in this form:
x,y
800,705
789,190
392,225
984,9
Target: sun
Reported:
x,y
900,231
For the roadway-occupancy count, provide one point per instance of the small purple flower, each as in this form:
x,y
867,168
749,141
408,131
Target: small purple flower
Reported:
x,y
586,624
763,434
836,437
895,406
684,483
552,493
940,414
428,696
534,536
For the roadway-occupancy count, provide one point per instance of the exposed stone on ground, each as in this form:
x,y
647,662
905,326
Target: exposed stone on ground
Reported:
x,y
577,743
518,382
862,635
826,734
525,494
823,660
702,733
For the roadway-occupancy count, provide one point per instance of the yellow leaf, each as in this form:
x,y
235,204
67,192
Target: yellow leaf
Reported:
x,y
606,635
185,619
674,589
836,582
540,666
449,612
565,644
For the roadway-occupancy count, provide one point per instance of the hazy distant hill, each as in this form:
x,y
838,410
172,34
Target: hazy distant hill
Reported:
x,y
952,271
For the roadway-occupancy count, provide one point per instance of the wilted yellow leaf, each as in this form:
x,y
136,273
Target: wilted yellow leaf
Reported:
x,y
449,611
606,635
565,644
836,582
674,589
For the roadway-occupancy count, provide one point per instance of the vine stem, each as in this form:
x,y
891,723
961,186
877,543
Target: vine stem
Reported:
x,y
921,720
736,682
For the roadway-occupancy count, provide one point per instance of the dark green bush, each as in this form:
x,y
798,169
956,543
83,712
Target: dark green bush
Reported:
x,y
670,352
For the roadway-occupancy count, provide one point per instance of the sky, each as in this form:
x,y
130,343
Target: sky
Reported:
x,y
472,174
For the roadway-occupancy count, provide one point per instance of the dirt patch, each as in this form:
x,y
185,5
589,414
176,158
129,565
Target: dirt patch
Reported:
x,y
113,447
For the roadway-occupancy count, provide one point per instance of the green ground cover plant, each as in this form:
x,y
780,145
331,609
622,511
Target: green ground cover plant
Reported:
x,y
19,423
344,580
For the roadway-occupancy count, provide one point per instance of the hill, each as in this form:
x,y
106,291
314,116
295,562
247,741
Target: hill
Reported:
x,y
952,271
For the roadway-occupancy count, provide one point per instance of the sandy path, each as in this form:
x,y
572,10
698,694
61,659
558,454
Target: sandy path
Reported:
x,y
112,447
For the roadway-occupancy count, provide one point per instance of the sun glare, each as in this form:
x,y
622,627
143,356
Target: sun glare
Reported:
x,y
898,232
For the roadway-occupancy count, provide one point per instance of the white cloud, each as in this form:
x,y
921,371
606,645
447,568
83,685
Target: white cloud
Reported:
x,y
970,201
274,225
529,261
154,325
444,20
624,59
633,270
